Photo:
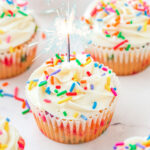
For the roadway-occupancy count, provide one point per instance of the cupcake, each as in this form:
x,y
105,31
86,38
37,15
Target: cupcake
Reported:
x,y
119,34
17,40
72,102
134,143
9,136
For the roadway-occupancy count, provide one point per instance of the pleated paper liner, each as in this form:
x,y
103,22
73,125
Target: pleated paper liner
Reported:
x,y
74,131
122,62
14,63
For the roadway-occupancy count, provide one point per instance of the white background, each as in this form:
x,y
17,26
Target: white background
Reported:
x,y
132,112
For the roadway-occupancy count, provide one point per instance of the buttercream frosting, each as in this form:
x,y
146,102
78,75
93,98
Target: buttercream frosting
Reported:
x,y
16,28
87,82
102,20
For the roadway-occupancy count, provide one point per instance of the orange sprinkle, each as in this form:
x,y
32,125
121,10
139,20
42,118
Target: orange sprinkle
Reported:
x,y
87,21
128,22
82,18
5,84
116,33
49,62
117,23
43,35
52,80
121,49
83,81
108,25
148,21
72,58
46,73
118,18
23,104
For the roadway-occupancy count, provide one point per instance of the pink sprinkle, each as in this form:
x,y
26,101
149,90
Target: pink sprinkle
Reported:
x,y
47,101
104,69
44,118
119,144
1,132
23,4
47,77
106,32
8,39
114,92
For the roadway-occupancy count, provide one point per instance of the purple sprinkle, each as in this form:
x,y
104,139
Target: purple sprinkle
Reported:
x,y
139,145
92,87
55,72
103,74
27,104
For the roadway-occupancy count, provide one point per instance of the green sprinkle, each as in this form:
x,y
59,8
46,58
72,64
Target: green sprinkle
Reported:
x,y
121,36
1,95
42,83
9,15
132,147
26,111
62,93
58,57
131,22
18,7
128,47
14,15
108,35
36,28
78,62
117,11
109,71
65,113
22,13
56,91
2,15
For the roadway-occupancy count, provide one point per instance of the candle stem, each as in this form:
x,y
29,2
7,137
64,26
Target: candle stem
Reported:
x,y
68,39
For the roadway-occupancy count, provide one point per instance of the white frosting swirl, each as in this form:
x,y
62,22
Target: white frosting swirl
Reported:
x,y
129,31
83,102
18,29
10,137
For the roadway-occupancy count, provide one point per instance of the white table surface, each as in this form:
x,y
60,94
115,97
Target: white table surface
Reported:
x,y
131,117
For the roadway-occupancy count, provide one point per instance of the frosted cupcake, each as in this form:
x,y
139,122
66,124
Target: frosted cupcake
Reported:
x,y
72,102
134,143
119,34
9,136
17,35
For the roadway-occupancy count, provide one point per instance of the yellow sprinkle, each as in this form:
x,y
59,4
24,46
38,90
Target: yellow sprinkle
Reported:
x,y
75,77
113,6
55,62
89,61
62,57
108,80
75,115
77,90
34,84
3,146
107,87
145,26
74,53
11,49
43,89
1,32
64,100
147,143
6,126
30,85
141,1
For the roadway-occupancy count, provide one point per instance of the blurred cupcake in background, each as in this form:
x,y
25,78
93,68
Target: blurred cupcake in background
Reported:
x,y
18,31
72,102
134,143
119,34
9,136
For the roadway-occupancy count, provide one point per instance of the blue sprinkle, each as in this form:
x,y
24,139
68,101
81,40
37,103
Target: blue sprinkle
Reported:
x,y
125,4
72,87
7,119
95,64
94,105
126,147
145,13
148,138
48,90
99,20
139,28
1,90
35,80
83,117
78,83
100,66
106,11
139,14
10,2
88,55
90,42
8,95
92,87
115,89
103,74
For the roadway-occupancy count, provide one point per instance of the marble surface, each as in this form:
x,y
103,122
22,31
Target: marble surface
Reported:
x,y
131,117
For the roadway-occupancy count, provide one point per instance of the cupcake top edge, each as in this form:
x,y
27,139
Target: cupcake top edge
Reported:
x,y
77,89
9,136
117,24
134,143
17,26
